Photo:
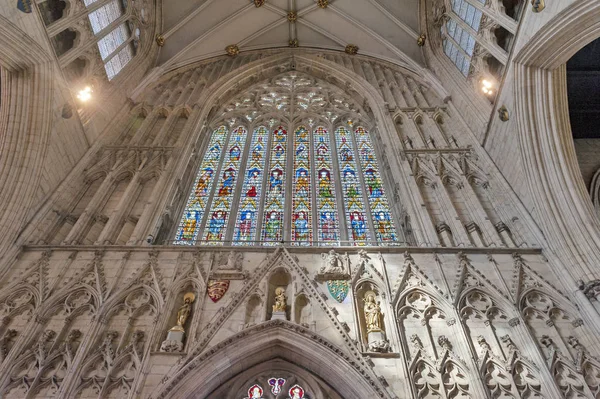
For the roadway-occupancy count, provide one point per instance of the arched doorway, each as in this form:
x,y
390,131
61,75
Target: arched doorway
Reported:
x,y
279,346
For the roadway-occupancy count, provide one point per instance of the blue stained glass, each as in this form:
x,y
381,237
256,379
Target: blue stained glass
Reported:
x,y
245,229
216,226
189,226
382,217
301,200
327,224
272,228
358,231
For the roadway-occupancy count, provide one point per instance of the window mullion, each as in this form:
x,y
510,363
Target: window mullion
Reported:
x,y
313,186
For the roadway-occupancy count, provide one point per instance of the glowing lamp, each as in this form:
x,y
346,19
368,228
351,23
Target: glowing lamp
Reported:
x,y
85,94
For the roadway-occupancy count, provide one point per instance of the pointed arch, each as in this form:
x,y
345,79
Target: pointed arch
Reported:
x,y
203,374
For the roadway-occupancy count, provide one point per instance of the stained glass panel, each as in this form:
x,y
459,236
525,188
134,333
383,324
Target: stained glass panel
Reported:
x,y
380,210
358,231
272,227
327,223
301,201
218,217
245,229
192,216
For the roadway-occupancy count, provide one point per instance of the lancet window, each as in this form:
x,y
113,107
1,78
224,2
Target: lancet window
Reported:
x,y
289,161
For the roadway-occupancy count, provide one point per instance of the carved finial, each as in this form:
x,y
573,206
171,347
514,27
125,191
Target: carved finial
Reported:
x,y
293,43
538,5
421,40
258,3
292,16
445,342
323,3
160,40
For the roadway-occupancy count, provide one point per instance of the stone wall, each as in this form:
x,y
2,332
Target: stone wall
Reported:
x,y
89,322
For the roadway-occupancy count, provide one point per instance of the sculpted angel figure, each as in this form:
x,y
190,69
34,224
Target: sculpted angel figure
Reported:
x,y
373,316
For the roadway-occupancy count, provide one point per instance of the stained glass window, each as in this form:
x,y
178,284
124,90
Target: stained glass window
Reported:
x,y
327,216
272,229
382,217
245,229
354,206
311,186
198,200
301,209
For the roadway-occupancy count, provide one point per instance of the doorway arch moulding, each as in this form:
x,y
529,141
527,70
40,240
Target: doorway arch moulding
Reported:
x,y
276,339
244,76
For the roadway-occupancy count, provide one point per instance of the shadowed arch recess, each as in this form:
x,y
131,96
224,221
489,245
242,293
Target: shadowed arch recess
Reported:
x,y
273,340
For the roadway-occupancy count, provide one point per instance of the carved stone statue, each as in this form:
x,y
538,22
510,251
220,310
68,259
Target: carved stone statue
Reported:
x,y
174,341
184,312
332,262
280,300
334,267
373,316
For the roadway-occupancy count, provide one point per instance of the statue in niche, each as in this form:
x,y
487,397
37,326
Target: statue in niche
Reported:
x,y
280,300
184,312
373,316
174,341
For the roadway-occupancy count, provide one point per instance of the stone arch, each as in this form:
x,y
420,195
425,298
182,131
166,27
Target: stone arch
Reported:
x,y
348,377
26,72
567,215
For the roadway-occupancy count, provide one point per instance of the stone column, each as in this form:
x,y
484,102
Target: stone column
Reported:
x,y
110,230
90,210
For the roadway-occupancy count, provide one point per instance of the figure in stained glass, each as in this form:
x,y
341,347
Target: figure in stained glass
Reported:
x,y
245,225
235,153
202,186
255,392
373,183
328,226
227,184
325,183
276,181
189,226
273,226
302,182
300,226
216,226
254,180
359,228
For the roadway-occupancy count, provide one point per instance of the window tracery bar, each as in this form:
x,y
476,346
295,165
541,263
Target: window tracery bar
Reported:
x,y
327,222
380,210
272,227
301,200
189,226
355,212
214,231
247,219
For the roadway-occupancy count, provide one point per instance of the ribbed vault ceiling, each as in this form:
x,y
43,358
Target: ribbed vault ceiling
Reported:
x,y
200,29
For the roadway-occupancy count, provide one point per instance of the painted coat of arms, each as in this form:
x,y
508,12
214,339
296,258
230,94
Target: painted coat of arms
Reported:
x,y
338,289
216,289
24,6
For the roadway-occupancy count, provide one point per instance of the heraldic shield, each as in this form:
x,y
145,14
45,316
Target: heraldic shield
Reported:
x,y
338,289
217,289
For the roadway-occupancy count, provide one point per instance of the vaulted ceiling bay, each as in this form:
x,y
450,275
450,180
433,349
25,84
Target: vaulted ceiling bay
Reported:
x,y
197,30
